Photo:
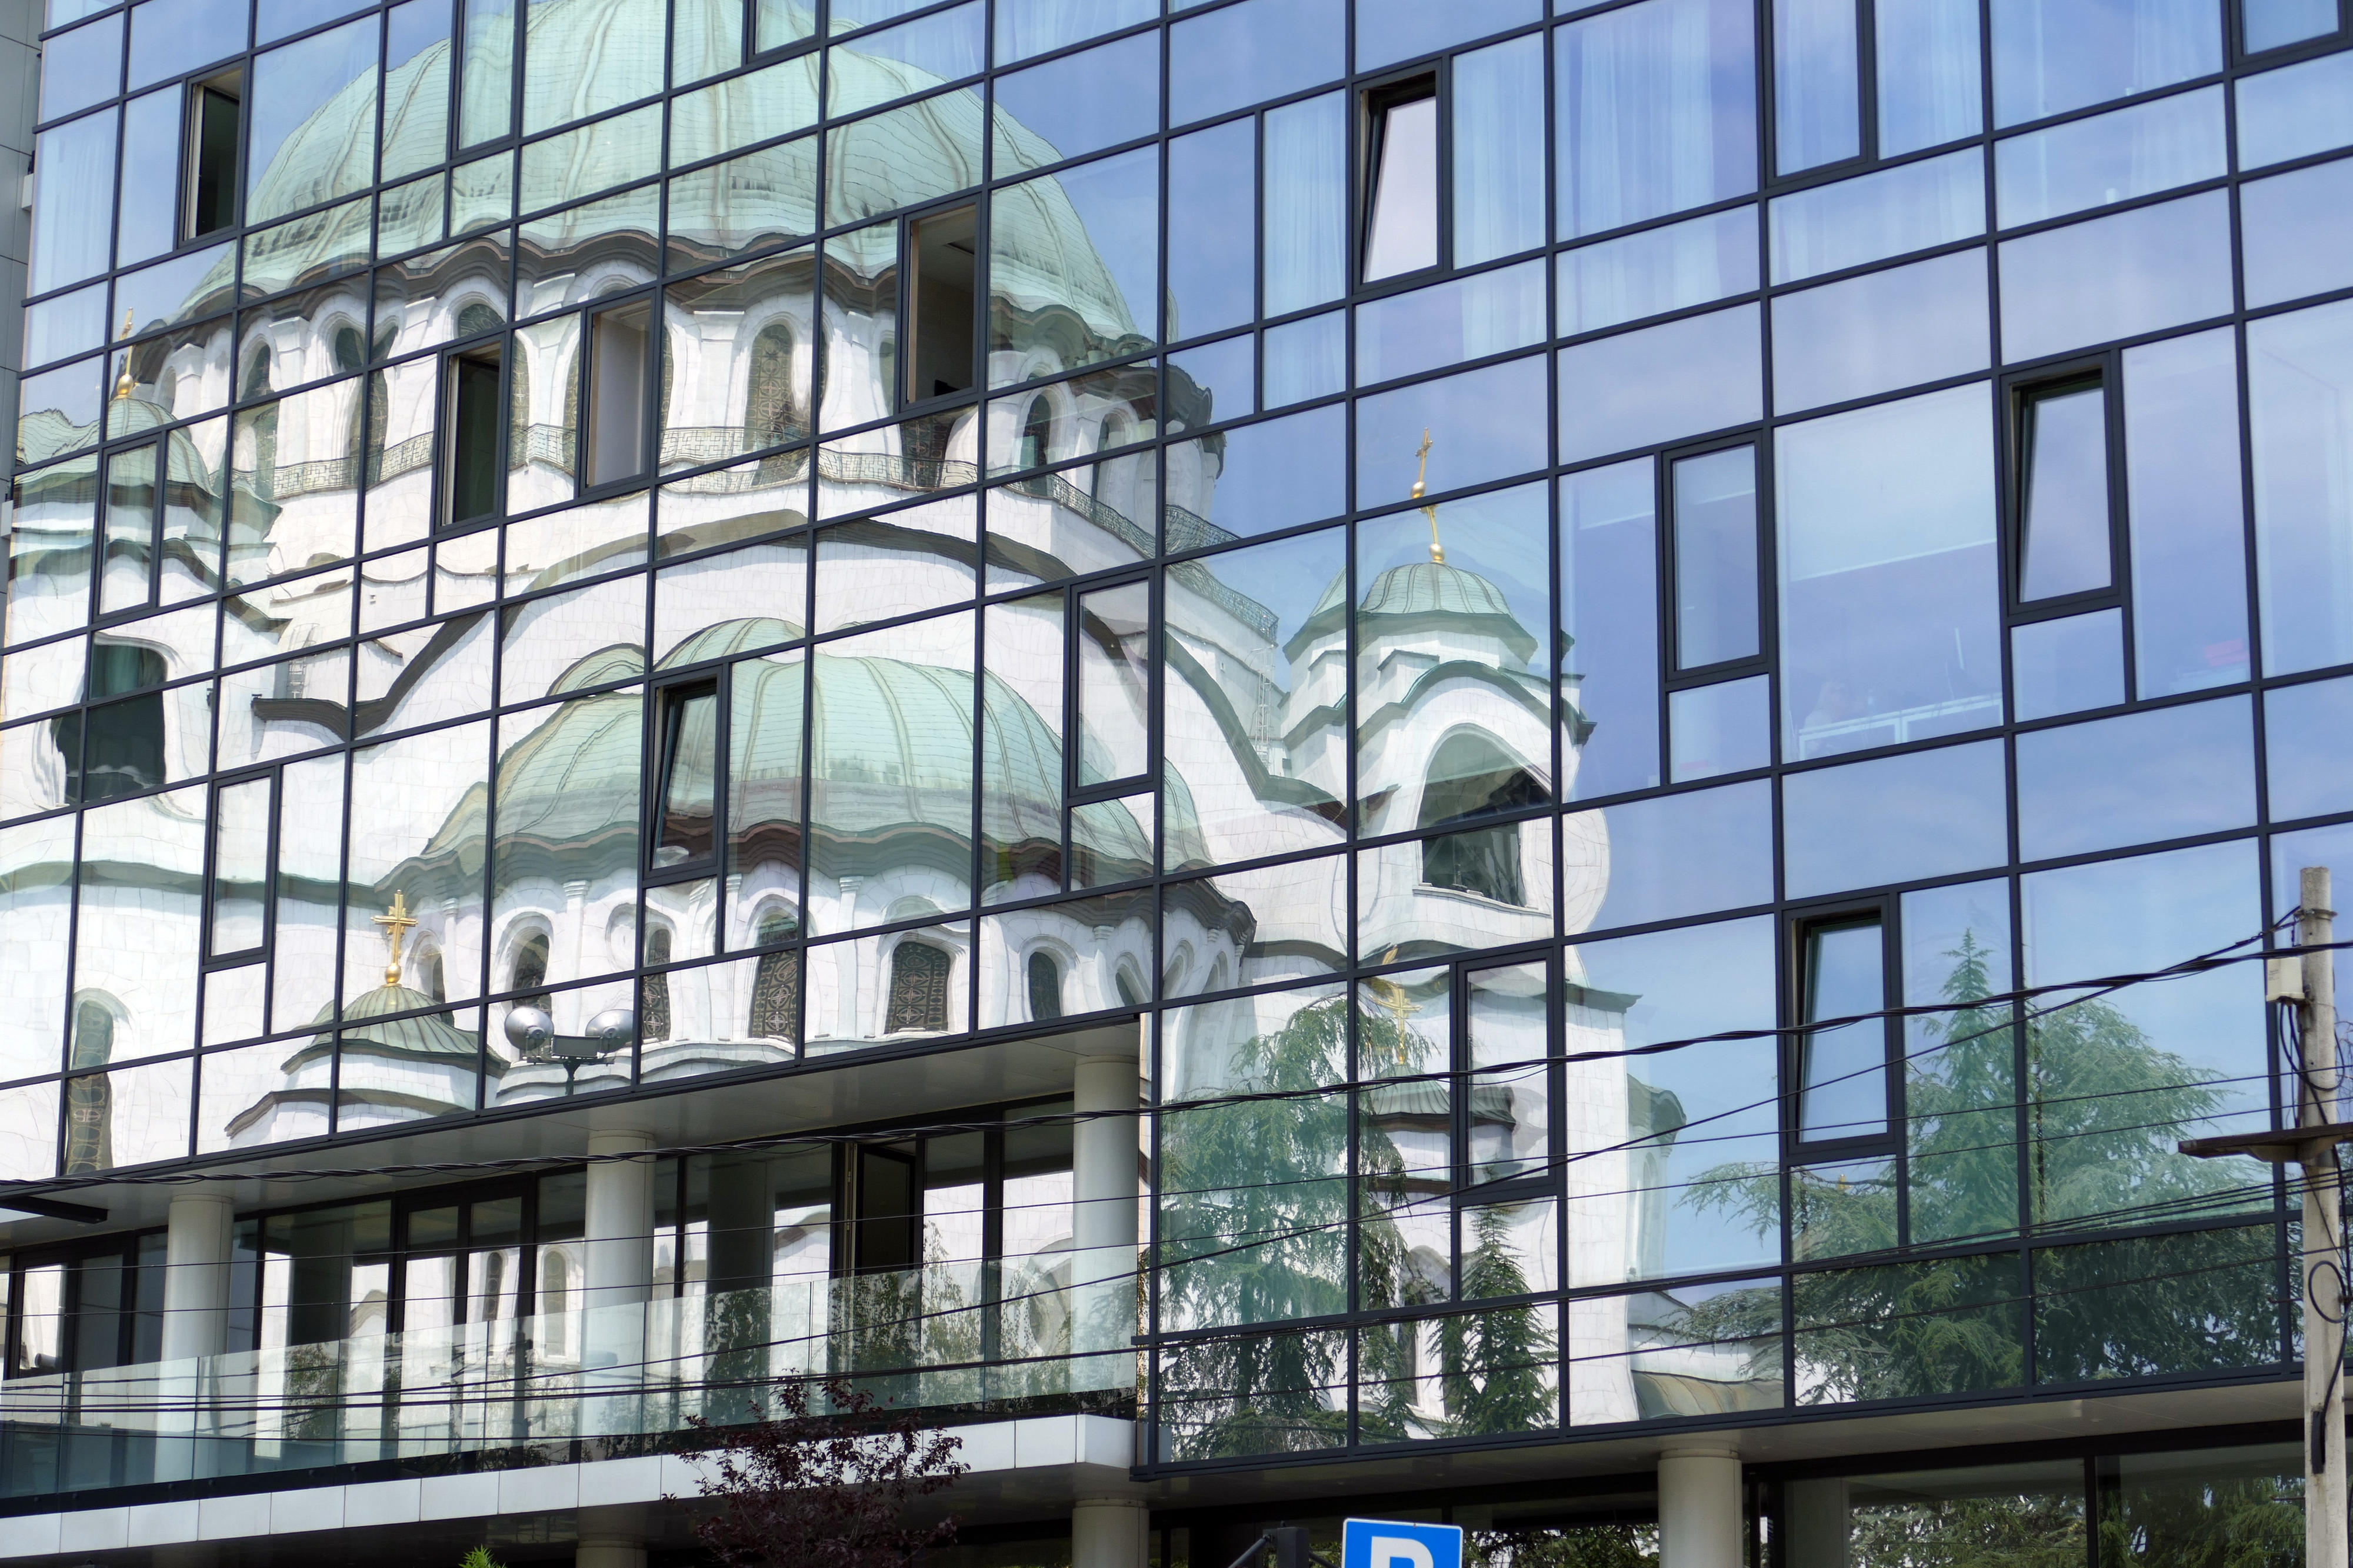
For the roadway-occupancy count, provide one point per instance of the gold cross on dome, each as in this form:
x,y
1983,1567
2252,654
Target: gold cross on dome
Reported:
x,y
1390,996
1420,483
123,386
397,922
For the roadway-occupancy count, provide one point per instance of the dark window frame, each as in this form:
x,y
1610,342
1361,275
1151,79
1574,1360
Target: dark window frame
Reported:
x,y
665,719
1799,928
453,365
589,355
905,329
1374,101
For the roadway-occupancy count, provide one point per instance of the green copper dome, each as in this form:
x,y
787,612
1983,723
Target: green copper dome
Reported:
x,y
893,748
428,1035
1042,259
1429,591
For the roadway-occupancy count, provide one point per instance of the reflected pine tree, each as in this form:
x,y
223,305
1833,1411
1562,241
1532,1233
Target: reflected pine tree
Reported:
x,y
1253,1233
2107,1106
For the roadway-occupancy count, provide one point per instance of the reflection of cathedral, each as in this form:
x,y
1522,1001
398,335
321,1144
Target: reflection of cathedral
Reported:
x,y
595,741
872,744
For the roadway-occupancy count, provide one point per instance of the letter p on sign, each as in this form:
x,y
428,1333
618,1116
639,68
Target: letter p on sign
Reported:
x,y
1390,1544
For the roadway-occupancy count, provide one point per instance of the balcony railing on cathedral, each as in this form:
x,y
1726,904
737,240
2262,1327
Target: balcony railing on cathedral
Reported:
x,y
953,1338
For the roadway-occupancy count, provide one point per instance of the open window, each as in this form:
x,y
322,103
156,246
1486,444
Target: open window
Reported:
x,y
620,361
2067,540
2066,543
686,834
941,275
216,115
1841,1092
115,746
1402,220
475,454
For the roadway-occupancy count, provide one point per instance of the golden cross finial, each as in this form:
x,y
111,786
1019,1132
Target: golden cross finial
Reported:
x,y
1390,996
397,922
1420,478
122,384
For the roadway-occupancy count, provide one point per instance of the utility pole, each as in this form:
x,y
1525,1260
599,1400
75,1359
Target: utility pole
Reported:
x,y
2309,981
2324,1282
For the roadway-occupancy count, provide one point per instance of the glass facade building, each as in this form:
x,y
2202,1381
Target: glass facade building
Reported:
x,y
1306,756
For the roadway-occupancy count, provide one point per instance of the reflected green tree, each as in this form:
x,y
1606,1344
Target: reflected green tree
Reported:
x,y
1610,1544
2106,1107
1254,1232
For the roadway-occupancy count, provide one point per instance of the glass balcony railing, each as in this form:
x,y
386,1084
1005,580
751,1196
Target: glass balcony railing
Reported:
x,y
934,1338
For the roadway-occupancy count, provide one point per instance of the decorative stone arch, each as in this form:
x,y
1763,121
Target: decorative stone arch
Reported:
x,y
524,954
97,1018
917,998
1473,775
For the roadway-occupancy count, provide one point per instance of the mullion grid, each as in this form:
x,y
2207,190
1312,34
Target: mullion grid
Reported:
x,y
1867,100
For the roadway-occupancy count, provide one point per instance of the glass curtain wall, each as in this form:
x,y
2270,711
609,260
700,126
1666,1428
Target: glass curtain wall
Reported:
x,y
1601,618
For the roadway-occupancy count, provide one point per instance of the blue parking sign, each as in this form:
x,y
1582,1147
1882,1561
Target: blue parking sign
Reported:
x,y
1386,1543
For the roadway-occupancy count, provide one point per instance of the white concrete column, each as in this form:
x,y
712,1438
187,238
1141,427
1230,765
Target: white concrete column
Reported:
x,y
1102,1228
197,1244
620,1220
609,1552
1699,1509
1109,1532
617,1277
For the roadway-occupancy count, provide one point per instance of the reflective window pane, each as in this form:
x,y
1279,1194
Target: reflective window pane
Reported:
x,y
1727,728
1817,94
1656,270
1609,628
1655,111
2051,56
1715,499
2166,774
2186,513
2068,664
1889,598
2113,157
2115,276
1929,73
1894,819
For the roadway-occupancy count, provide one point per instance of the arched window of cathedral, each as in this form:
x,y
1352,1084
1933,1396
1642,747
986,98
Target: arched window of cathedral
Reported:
x,y
476,317
263,425
1037,433
653,1009
555,1298
527,971
771,416
350,354
1130,994
430,978
1045,987
918,988
1472,777
89,1108
775,984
